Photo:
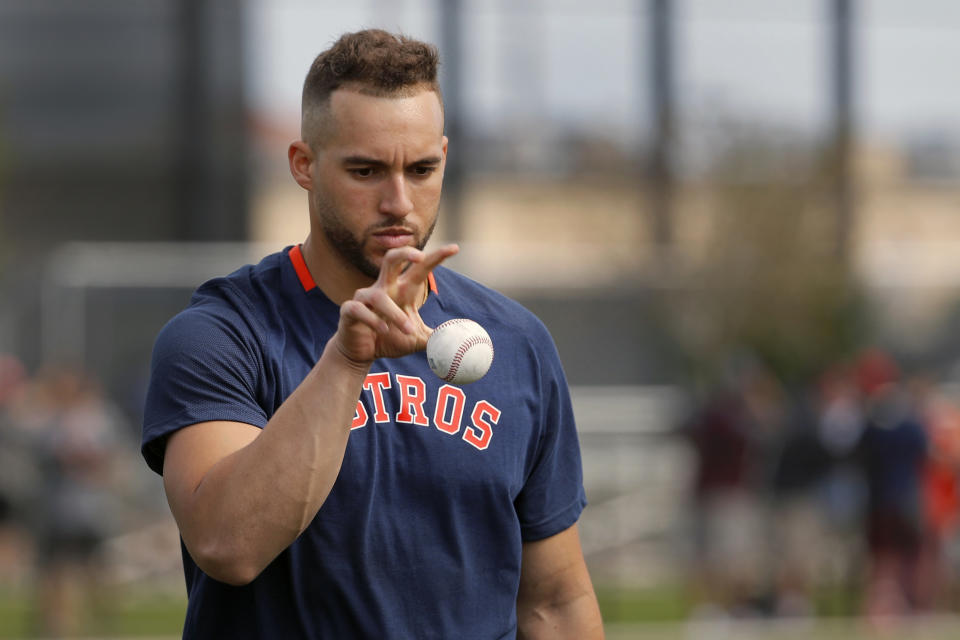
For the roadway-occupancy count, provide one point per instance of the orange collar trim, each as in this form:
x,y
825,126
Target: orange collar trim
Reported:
x,y
300,266
306,280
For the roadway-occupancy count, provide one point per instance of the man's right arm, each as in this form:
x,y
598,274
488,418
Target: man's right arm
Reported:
x,y
241,495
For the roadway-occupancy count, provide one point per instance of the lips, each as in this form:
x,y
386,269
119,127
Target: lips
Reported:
x,y
393,237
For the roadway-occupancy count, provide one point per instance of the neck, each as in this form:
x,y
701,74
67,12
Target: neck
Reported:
x,y
339,281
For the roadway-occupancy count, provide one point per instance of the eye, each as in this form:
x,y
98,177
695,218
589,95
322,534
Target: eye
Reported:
x,y
362,172
423,170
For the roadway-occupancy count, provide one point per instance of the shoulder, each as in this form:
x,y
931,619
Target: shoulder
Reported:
x,y
237,304
520,338
463,295
250,286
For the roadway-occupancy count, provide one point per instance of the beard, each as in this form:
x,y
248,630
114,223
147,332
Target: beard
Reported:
x,y
350,246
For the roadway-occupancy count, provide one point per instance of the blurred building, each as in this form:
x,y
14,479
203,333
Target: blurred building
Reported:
x,y
119,121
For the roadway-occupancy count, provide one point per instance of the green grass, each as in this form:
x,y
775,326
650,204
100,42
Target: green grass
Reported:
x,y
630,614
664,613
108,613
140,613
672,603
655,604
836,629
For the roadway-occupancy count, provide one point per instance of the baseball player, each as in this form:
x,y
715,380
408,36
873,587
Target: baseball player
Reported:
x,y
325,482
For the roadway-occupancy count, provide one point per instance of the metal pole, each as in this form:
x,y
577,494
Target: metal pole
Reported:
x,y
659,172
451,50
843,124
190,178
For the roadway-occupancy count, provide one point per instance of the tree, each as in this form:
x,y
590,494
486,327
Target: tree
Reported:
x,y
769,280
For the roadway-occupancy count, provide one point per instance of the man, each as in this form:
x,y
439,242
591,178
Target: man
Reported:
x,y
326,484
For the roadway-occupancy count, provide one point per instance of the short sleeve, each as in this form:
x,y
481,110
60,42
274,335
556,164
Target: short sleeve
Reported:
x,y
205,366
553,497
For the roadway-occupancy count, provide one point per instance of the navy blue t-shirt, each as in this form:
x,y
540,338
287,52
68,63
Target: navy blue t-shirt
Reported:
x,y
421,534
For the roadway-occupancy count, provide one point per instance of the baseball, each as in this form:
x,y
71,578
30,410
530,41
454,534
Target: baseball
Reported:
x,y
460,351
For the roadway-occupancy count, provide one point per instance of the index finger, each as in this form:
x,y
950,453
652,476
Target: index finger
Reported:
x,y
395,261
419,270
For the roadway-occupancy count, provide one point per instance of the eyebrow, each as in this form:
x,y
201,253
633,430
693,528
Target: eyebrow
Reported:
x,y
373,162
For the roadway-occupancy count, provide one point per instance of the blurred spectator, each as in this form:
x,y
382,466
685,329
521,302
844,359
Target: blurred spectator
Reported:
x,y
894,449
17,473
797,527
731,436
941,495
792,497
840,423
76,436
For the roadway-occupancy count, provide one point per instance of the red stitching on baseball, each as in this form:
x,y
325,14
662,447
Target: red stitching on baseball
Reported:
x,y
453,321
462,351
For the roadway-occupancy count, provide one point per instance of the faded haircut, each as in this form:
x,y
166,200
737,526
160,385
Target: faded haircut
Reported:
x,y
373,62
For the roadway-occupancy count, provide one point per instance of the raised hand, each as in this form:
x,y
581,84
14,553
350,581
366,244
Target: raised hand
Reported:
x,y
383,320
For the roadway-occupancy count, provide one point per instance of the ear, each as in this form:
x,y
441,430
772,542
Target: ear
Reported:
x,y
301,159
443,151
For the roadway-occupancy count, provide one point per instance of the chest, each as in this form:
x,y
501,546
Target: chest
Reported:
x,y
412,429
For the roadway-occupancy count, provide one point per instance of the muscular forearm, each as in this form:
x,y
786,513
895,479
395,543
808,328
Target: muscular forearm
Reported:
x,y
253,503
556,598
576,619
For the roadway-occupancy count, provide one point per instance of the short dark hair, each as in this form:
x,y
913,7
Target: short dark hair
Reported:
x,y
374,62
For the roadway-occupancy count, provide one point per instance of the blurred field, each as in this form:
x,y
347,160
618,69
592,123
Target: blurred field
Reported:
x,y
115,614
842,629
653,614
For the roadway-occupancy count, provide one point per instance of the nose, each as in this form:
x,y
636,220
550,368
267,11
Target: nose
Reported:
x,y
395,200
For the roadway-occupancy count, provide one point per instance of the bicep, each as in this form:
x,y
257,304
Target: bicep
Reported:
x,y
190,454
